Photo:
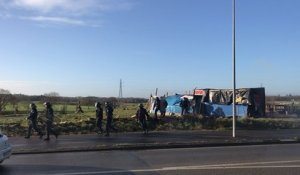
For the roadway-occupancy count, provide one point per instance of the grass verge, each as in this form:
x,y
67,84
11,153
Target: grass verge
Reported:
x,y
84,124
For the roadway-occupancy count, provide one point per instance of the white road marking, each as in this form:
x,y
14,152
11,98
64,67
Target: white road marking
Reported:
x,y
252,165
229,147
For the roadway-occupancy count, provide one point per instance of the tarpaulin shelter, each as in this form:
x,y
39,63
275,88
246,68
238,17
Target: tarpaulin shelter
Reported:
x,y
218,102
173,103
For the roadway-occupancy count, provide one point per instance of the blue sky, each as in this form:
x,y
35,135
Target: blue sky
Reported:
x,y
84,47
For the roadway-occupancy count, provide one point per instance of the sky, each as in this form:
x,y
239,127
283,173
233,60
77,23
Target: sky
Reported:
x,y
84,47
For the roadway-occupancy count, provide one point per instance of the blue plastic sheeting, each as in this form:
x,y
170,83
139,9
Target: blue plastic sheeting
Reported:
x,y
174,104
173,100
176,109
225,110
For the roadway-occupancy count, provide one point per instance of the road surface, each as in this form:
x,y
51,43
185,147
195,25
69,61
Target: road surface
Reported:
x,y
258,160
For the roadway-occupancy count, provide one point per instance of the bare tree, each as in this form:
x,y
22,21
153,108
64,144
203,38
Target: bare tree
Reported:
x,y
51,96
14,101
5,96
113,101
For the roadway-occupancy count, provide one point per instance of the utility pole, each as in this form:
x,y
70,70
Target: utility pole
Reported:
x,y
233,61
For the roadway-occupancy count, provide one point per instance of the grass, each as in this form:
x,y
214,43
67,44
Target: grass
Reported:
x,y
69,122
65,117
123,111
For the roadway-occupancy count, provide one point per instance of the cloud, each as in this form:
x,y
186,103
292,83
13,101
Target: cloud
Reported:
x,y
73,12
5,15
51,6
58,20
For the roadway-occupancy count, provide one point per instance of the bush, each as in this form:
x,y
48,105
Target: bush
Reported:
x,y
68,124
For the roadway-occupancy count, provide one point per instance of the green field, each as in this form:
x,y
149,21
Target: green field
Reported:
x,y
65,117
67,121
123,110
62,112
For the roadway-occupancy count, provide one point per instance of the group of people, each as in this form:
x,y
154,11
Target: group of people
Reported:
x,y
162,104
141,116
49,115
32,121
109,117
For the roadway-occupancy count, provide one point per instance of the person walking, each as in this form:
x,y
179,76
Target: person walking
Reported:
x,y
32,122
99,117
142,116
109,117
156,107
163,107
49,121
185,105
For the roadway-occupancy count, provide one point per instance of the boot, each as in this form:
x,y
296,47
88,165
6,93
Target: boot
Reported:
x,y
47,139
41,135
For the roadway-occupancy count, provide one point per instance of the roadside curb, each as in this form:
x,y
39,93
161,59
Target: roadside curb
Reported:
x,y
149,146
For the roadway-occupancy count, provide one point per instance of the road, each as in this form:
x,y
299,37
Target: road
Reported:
x,y
258,160
155,139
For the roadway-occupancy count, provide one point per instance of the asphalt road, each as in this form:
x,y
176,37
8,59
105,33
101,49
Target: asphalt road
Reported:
x,y
155,139
258,160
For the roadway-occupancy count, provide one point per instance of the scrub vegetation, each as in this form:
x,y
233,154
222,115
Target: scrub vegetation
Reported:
x,y
69,120
124,120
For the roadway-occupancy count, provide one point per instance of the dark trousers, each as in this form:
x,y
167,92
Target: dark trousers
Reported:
x,y
109,125
163,112
99,124
143,122
49,129
184,111
155,112
33,125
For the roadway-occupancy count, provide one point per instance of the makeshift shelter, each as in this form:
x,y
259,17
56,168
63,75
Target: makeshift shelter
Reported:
x,y
218,102
173,101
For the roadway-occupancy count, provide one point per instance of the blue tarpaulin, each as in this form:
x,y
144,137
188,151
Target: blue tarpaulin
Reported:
x,y
174,104
219,110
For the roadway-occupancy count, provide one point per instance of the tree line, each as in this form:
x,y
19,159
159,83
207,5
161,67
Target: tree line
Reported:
x,y
283,98
7,98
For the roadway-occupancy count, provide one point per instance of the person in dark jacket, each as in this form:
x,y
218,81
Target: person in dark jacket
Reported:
x,y
185,105
109,117
32,121
142,116
99,117
163,107
156,107
49,121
